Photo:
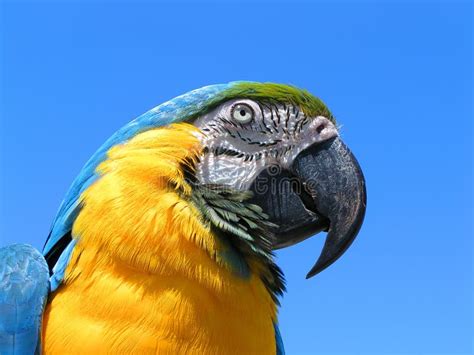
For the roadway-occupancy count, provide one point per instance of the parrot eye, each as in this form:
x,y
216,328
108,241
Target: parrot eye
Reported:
x,y
242,113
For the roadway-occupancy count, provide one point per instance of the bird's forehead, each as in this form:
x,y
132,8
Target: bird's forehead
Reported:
x,y
215,95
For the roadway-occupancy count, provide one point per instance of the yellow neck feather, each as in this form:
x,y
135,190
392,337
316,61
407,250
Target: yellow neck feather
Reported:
x,y
145,274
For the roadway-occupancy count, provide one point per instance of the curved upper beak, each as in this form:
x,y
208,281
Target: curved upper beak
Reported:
x,y
333,178
324,190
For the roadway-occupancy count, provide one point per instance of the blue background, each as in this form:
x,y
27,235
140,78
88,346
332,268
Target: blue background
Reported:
x,y
398,78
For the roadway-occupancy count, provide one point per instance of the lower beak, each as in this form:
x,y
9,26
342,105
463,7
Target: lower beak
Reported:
x,y
324,190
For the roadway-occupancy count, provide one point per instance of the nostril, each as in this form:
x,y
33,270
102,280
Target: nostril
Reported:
x,y
320,128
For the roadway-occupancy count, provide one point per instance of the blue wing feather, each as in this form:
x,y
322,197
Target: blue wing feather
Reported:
x,y
24,289
60,267
280,349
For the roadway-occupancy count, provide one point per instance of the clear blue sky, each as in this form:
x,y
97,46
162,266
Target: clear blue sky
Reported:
x,y
398,78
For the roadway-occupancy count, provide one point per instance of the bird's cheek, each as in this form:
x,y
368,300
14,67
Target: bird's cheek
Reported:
x,y
233,172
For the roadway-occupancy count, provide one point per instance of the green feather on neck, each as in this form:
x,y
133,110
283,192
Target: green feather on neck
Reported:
x,y
243,227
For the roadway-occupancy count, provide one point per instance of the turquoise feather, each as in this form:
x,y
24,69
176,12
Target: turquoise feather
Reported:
x,y
24,290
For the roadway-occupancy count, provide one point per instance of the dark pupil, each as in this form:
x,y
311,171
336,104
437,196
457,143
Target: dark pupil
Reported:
x,y
242,112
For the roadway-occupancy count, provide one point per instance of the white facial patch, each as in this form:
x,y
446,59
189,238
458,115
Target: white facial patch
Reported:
x,y
236,152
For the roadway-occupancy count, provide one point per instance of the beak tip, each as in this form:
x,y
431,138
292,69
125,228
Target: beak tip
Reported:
x,y
317,268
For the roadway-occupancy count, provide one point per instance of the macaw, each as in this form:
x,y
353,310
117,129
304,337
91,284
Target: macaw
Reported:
x,y
165,241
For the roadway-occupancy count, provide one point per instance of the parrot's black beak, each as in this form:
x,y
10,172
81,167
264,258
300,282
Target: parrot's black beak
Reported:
x,y
324,190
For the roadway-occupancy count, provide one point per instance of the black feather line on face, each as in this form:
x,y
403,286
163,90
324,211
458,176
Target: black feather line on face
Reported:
x,y
244,225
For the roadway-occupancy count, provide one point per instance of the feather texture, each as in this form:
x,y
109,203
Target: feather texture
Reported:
x,y
245,226
24,289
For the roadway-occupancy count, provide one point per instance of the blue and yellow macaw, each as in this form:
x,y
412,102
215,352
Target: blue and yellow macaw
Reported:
x,y
164,242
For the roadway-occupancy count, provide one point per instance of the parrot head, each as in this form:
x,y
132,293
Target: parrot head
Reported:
x,y
282,145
